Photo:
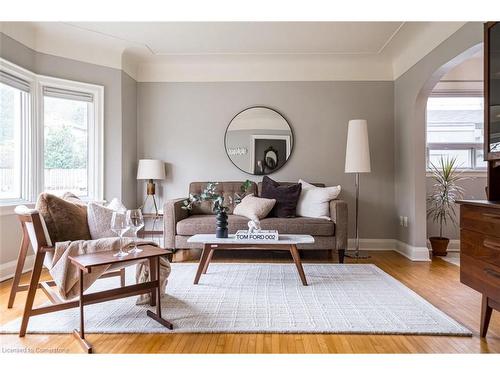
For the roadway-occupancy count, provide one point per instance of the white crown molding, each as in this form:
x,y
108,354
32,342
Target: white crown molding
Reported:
x,y
409,43
216,68
415,40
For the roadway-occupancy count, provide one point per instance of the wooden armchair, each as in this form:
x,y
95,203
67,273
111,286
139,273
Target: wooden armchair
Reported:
x,y
34,232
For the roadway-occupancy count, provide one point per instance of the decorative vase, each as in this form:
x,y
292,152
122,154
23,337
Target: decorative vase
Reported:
x,y
221,225
439,245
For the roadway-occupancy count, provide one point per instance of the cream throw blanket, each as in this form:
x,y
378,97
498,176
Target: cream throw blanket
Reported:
x,y
65,274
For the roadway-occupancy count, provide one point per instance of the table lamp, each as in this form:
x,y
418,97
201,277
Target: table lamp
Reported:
x,y
151,170
357,160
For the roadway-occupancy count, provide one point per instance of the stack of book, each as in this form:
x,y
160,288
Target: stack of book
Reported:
x,y
262,235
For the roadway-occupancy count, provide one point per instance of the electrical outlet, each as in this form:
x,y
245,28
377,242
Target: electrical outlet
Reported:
x,y
405,221
401,221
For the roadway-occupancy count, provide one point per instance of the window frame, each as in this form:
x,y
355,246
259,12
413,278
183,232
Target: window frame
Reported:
x,y
472,148
32,135
95,133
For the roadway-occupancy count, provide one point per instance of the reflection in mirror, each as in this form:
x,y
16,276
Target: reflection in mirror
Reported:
x,y
264,135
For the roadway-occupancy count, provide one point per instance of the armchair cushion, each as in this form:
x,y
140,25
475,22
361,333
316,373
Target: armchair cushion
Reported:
x,y
65,221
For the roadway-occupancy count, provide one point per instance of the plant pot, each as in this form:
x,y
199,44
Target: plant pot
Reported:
x,y
439,245
221,225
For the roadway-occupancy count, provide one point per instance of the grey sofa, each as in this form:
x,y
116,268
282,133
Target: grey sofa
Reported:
x,y
181,224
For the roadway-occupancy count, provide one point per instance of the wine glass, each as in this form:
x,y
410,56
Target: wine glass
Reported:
x,y
119,226
135,222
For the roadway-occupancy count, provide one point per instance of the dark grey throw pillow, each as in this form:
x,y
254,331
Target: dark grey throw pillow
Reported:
x,y
286,197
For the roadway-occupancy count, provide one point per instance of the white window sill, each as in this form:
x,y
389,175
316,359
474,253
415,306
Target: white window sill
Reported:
x,y
467,173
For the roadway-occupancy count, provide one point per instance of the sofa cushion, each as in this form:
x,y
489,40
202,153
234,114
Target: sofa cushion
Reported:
x,y
205,224
286,197
202,224
299,225
228,189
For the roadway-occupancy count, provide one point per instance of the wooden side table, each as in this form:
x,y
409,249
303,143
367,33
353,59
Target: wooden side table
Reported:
x,y
87,261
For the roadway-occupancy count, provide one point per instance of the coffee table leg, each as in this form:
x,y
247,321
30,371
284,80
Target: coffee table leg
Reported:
x,y
151,314
204,257
153,276
298,263
80,335
209,259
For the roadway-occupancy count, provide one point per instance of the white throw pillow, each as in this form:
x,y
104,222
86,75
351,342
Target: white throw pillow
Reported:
x,y
315,201
253,207
99,219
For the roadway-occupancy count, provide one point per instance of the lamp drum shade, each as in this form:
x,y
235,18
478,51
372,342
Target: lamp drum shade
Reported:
x,y
150,169
357,155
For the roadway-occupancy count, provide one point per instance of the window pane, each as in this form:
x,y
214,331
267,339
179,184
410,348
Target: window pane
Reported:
x,y
10,142
66,146
480,163
455,120
463,157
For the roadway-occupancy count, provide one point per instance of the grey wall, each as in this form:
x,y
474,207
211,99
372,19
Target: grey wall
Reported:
x,y
184,124
411,91
120,152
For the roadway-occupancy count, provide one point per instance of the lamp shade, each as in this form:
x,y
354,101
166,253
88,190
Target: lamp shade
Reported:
x,y
150,169
357,155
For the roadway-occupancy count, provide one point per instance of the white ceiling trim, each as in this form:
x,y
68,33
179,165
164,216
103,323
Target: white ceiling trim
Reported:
x,y
410,42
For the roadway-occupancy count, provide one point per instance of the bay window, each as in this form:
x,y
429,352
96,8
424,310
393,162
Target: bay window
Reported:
x,y
50,136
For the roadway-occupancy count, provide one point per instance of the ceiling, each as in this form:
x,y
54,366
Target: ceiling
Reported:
x,y
199,38
239,51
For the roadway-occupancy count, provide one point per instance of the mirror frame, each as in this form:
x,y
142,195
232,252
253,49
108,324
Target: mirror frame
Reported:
x,y
271,109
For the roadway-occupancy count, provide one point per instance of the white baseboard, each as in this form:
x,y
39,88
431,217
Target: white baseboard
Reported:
x,y
415,253
377,244
8,269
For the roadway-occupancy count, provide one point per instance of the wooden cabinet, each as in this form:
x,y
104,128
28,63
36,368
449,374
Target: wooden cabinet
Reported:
x,y
480,253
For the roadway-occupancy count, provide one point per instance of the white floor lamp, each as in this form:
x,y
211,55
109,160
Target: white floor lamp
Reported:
x,y
357,160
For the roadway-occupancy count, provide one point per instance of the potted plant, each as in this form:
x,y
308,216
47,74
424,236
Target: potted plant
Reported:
x,y
441,202
219,207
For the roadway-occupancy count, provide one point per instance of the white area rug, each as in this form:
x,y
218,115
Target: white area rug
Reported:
x,y
256,297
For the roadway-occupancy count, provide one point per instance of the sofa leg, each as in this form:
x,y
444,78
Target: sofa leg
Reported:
x,y
341,255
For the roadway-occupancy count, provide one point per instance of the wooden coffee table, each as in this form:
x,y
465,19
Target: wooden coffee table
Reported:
x,y
286,242
86,262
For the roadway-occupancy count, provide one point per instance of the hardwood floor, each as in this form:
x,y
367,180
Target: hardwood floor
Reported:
x,y
436,281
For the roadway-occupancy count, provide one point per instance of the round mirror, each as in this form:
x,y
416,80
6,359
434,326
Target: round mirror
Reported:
x,y
258,140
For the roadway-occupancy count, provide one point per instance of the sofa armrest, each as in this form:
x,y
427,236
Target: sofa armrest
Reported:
x,y
338,214
172,214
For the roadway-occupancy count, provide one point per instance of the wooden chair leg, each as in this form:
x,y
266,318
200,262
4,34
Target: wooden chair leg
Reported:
x,y
122,277
35,279
19,268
